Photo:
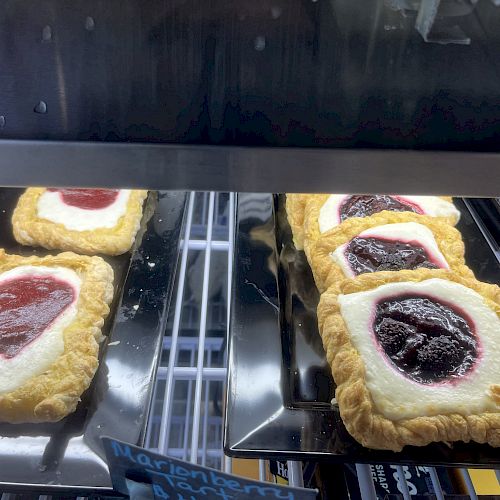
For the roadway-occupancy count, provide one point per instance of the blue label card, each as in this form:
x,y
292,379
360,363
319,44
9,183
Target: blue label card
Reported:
x,y
137,472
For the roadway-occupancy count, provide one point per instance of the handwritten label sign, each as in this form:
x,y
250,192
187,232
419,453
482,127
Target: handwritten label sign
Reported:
x,y
139,470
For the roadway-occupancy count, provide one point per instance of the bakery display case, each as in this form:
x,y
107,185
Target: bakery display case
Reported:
x,y
214,110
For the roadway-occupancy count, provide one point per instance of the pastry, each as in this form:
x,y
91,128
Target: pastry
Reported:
x,y
51,313
414,355
385,241
324,212
86,221
295,208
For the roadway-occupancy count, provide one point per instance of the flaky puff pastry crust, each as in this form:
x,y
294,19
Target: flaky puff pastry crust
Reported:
x,y
52,395
29,229
295,210
357,410
311,218
326,272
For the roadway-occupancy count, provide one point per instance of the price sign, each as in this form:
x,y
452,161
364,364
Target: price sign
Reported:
x,y
142,474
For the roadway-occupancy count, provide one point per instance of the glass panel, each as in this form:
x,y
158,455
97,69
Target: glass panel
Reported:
x,y
337,73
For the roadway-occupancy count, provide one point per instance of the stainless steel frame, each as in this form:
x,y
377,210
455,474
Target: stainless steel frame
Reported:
x,y
228,168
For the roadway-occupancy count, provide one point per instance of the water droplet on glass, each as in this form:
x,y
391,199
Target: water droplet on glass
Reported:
x,y
260,43
42,467
276,12
389,27
47,34
89,23
41,107
2,121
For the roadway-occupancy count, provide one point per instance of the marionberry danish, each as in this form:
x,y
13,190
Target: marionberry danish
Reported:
x,y
414,355
385,241
324,212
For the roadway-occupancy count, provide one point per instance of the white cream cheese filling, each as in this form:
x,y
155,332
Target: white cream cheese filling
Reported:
x,y
433,206
329,214
405,232
51,206
396,396
37,356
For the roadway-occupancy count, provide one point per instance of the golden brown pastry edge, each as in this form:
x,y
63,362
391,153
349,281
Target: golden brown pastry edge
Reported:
x,y
326,272
52,395
29,229
362,420
311,218
295,205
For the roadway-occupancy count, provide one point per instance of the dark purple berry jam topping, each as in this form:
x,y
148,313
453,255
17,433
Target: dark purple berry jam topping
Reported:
x,y
425,339
363,206
368,255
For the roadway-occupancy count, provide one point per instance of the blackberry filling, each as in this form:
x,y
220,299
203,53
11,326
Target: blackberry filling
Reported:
x,y
368,255
363,206
426,340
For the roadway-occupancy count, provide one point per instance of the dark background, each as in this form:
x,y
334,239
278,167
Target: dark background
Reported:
x,y
325,73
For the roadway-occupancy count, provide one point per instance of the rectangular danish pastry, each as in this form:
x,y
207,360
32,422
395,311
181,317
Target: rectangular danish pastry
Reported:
x,y
414,355
87,221
51,313
324,212
385,241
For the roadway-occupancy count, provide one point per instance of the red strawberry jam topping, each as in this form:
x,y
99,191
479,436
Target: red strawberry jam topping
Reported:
x,y
88,199
28,305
